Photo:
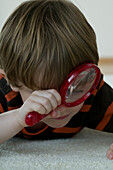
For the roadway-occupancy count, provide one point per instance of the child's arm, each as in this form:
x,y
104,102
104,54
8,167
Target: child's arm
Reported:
x,y
9,125
12,122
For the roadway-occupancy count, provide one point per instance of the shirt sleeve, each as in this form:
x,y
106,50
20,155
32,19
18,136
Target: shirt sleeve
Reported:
x,y
100,116
1,109
3,103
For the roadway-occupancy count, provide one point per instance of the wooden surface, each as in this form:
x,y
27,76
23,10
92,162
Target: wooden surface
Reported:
x,y
106,65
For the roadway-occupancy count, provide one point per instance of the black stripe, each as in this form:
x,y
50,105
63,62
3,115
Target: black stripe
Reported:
x,y
3,102
5,88
109,126
100,105
16,101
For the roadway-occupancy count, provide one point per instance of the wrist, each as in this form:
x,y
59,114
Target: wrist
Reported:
x,y
21,118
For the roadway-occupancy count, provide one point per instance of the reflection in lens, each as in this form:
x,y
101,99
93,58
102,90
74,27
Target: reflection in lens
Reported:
x,y
80,85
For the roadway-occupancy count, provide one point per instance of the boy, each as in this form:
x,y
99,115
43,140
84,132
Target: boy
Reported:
x,y
40,44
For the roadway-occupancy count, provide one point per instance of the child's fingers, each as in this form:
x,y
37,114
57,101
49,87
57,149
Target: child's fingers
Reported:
x,y
111,147
109,153
53,100
50,97
56,94
43,102
39,103
47,93
38,108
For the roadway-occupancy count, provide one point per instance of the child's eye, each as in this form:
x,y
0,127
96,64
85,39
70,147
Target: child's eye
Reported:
x,y
74,91
78,91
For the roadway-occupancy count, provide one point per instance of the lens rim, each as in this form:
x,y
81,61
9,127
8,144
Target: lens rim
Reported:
x,y
72,76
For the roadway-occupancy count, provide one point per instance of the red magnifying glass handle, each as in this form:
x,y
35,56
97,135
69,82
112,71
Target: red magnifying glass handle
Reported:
x,y
33,117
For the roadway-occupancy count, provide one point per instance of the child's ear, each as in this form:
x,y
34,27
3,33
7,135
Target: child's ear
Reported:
x,y
16,89
2,72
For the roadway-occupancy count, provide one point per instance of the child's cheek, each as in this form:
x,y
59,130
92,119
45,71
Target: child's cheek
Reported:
x,y
64,110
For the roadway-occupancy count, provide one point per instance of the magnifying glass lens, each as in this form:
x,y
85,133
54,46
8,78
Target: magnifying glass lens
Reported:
x,y
81,85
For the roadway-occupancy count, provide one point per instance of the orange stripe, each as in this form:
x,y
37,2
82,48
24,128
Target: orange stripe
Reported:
x,y
1,76
94,92
11,95
106,118
33,134
85,108
67,130
101,84
1,108
12,108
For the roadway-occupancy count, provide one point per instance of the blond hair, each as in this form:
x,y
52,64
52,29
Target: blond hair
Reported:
x,y
45,40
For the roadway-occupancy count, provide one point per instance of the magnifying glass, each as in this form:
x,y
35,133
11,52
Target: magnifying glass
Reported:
x,y
76,88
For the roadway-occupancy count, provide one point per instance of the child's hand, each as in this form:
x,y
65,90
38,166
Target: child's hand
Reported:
x,y
55,120
43,102
109,153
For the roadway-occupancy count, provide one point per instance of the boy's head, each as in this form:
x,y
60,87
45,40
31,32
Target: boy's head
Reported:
x,y
42,41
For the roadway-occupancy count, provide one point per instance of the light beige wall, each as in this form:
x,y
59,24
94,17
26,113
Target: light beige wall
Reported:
x,y
100,15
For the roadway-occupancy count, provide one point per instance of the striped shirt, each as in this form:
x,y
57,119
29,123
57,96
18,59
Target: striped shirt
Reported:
x,y
96,113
